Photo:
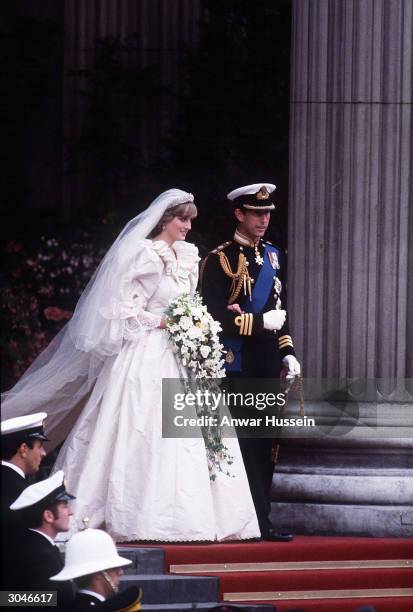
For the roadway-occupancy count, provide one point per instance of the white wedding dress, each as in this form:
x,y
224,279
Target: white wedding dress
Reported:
x,y
126,477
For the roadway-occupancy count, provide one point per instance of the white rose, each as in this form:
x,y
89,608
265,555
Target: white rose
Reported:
x,y
196,312
185,322
205,350
194,332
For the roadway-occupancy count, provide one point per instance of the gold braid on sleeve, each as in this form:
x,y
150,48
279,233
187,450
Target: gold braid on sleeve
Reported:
x,y
239,278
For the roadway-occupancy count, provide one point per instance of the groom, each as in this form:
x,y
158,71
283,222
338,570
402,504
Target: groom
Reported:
x,y
241,286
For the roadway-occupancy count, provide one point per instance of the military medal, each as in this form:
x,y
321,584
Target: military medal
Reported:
x,y
258,258
277,289
274,260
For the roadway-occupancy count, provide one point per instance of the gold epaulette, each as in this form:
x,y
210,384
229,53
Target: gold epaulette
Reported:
x,y
240,278
221,247
204,261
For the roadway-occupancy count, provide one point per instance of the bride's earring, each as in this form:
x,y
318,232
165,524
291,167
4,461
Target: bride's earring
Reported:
x,y
163,227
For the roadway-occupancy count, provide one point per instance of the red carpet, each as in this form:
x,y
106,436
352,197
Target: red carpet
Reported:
x,y
302,548
305,548
387,604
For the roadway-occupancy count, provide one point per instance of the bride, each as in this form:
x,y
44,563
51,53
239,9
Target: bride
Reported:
x,y
101,380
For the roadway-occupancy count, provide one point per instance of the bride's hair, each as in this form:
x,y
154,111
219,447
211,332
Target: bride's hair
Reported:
x,y
187,210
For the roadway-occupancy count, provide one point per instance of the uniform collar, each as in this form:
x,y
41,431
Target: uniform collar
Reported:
x,y
244,240
14,467
52,542
92,594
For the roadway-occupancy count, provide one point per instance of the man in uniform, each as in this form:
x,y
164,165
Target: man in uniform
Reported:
x,y
21,454
92,561
242,288
45,511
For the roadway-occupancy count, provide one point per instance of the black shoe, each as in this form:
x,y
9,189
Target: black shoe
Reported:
x,y
273,536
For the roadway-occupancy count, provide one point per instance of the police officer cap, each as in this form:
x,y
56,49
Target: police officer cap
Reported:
x,y
44,493
253,197
23,428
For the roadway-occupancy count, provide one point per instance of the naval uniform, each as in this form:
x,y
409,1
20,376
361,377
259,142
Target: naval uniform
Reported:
x,y
13,482
87,600
125,601
239,272
38,560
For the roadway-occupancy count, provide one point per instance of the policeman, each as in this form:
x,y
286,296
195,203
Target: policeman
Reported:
x,y
241,283
92,561
45,511
22,452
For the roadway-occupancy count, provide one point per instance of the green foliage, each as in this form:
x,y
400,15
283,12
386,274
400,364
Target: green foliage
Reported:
x,y
44,281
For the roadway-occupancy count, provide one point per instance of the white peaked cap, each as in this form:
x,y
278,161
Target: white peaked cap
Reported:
x,y
51,490
30,424
250,190
88,552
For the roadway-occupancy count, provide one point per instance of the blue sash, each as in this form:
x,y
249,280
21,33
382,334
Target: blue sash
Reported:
x,y
263,285
260,294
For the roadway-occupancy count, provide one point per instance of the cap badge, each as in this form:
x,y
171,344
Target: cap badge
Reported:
x,y
262,194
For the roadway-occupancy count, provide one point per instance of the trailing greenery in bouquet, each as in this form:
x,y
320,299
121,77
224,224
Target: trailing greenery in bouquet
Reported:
x,y
38,295
194,336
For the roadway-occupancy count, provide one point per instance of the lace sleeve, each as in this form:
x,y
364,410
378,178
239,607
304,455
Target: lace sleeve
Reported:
x,y
141,321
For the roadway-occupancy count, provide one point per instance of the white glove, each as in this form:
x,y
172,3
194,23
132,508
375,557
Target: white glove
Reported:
x,y
292,365
274,319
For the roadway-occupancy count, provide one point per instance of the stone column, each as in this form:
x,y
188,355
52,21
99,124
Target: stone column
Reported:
x,y
350,256
350,248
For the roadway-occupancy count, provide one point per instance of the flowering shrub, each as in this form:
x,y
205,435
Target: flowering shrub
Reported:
x,y
39,294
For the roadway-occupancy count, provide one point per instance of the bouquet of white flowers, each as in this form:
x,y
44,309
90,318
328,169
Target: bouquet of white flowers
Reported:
x,y
193,334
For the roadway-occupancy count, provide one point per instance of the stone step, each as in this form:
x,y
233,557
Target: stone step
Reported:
x,y
168,589
343,519
144,560
180,607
